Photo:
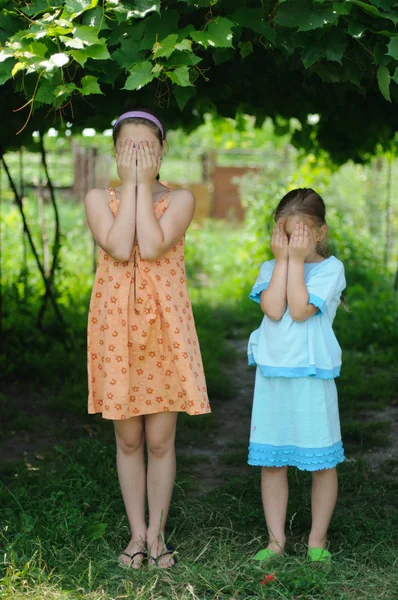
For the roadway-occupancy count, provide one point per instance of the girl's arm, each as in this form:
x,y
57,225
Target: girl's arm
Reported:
x,y
155,237
297,292
115,235
274,298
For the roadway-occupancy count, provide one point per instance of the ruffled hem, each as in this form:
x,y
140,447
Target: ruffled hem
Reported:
x,y
255,294
318,302
305,459
291,372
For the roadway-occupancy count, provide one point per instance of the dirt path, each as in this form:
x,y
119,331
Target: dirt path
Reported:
x,y
219,455
225,452
233,427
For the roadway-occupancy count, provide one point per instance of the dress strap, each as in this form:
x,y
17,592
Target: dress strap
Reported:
x,y
165,198
112,192
113,202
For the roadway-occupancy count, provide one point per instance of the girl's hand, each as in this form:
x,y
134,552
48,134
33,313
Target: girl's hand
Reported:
x,y
148,165
126,160
300,245
279,242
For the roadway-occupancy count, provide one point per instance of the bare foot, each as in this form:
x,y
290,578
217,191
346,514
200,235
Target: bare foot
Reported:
x,y
276,547
161,555
134,555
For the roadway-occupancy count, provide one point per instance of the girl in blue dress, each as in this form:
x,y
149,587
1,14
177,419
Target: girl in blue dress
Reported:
x,y
295,418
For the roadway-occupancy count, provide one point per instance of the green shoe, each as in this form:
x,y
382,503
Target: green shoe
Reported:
x,y
266,554
319,555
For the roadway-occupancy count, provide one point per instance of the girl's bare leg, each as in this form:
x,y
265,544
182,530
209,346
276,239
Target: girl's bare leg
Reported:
x,y
324,496
160,431
132,477
275,493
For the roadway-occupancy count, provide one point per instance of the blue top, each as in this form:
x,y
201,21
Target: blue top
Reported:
x,y
288,348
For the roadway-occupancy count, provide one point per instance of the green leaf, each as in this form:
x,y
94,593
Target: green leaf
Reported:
x,y
64,90
72,42
372,10
221,55
246,48
183,95
253,18
19,66
158,27
77,7
218,34
184,45
88,35
157,69
185,58
90,86
342,8
143,7
140,75
180,76
395,76
312,54
302,14
37,49
96,530
80,56
356,29
166,47
384,79
95,18
6,68
45,92
335,46
393,48
60,59
369,8
127,55
98,52
38,7
4,55
380,54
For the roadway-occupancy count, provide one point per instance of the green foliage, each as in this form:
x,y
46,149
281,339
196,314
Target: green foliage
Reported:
x,y
298,57
65,526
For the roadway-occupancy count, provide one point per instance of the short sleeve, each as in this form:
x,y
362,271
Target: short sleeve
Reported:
x,y
263,280
326,283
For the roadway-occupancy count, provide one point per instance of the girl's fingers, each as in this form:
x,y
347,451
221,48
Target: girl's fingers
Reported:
x,y
124,152
148,157
133,158
143,156
139,156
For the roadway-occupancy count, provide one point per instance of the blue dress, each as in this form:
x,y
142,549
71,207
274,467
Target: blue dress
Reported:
x,y
295,418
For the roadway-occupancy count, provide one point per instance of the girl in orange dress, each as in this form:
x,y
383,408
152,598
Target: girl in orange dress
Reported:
x,y
144,362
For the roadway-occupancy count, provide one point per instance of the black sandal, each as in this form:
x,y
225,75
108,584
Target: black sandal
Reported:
x,y
142,553
169,551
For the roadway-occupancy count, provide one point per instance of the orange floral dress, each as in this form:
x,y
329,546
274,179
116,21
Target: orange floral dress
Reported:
x,y
143,351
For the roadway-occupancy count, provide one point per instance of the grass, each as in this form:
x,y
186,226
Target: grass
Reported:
x,y
64,521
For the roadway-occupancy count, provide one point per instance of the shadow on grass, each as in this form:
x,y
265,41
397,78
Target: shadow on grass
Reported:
x,y
64,524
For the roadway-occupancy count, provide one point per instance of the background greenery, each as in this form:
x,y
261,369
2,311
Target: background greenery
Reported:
x,y
62,521
62,60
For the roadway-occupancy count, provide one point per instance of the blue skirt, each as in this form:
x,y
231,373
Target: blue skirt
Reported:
x,y
295,422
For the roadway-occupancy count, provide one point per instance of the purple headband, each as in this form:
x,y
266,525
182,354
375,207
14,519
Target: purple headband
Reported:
x,y
138,114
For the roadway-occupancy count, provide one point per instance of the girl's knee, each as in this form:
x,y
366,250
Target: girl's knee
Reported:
x,y
159,446
129,441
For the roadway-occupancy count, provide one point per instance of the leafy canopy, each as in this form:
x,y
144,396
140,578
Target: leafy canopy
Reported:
x,y
83,61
